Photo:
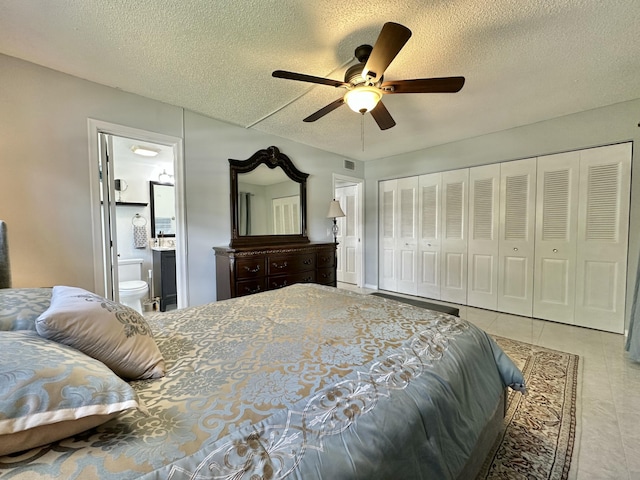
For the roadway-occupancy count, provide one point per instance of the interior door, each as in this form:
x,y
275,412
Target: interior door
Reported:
x,y
602,241
484,224
407,239
517,239
348,238
429,187
453,267
555,244
387,194
108,213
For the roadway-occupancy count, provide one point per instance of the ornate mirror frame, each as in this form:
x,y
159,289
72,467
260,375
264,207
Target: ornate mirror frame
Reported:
x,y
272,158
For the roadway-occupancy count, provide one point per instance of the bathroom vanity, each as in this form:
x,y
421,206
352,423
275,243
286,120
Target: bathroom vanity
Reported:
x,y
164,276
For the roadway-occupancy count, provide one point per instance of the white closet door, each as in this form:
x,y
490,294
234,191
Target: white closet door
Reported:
x,y
453,265
387,235
407,238
429,235
348,241
517,222
555,247
484,208
603,224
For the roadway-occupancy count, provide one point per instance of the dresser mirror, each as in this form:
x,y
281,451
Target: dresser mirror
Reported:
x,y
268,200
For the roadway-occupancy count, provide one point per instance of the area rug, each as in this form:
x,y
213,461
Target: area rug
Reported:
x,y
420,303
538,435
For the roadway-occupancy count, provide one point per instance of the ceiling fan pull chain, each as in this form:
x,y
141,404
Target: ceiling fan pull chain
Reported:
x,y
362,130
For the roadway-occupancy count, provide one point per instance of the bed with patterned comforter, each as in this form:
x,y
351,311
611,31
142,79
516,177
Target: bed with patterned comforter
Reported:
x,y
303,382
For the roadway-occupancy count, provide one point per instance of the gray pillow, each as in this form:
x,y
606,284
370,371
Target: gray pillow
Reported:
x,y
115,334
51,391
20,307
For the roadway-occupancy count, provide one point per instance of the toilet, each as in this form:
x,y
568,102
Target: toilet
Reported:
x,y
131,289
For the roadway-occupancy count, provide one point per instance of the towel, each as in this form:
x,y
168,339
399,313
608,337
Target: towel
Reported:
x,y
5,271
140,236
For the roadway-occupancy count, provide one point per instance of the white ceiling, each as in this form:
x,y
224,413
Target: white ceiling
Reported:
x,y
524,60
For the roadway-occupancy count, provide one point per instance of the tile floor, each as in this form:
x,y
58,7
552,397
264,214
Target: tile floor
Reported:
x,y
607,442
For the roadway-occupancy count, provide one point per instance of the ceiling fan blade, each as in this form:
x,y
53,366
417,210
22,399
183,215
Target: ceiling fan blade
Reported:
x,y
308,78
392,38
424,85
382,117
324,110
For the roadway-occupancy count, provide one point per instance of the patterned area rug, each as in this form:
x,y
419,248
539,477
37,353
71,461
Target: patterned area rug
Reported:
x,y
539,429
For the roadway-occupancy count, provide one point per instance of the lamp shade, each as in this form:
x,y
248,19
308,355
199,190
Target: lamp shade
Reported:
x,y
335,210
363,99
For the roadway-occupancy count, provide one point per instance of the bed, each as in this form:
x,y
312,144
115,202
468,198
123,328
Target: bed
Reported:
x,y
303,382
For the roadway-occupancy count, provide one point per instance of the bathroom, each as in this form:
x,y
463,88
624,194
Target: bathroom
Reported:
x,y
141,168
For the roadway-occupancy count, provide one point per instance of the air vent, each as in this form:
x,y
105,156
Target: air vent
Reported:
x,y
349,165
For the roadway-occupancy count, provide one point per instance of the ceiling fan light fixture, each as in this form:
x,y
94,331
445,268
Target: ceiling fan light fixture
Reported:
x,y
363,99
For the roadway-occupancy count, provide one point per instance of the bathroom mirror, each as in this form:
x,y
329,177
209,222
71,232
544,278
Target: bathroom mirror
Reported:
x,y
268,200
162,201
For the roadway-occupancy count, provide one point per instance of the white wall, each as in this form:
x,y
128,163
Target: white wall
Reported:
x,y
44,174
602,126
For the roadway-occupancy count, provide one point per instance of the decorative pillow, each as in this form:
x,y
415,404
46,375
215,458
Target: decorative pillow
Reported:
x,y
115,334
20,307
50,391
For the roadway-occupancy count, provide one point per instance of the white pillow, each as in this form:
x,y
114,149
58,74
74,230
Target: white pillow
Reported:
x,y
115,334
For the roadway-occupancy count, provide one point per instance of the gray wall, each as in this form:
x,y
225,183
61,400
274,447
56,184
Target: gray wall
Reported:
x,y
602,126
44,174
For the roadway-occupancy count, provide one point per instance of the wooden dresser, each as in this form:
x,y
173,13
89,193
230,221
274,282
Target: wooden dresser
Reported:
x,y
246,270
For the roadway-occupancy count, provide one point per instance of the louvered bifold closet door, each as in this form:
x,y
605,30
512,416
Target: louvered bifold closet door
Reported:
x,y
453,263
407,238
387,234
603,224
484,208
516,250
429,189
555,248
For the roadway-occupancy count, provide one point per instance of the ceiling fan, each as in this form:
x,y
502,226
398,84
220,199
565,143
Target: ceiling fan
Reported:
x,y
364,81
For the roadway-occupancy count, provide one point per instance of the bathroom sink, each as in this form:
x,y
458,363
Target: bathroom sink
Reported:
x,y
162,249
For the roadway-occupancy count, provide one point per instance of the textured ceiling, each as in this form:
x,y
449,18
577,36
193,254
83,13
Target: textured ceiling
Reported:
x,y
524,60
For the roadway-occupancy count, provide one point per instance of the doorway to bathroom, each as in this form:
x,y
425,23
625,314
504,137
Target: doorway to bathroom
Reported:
x,y
139,217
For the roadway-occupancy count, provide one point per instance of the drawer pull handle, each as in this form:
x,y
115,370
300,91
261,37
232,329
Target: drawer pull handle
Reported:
x,y
307,261
308,279
252,270
252,290
281,285
282,265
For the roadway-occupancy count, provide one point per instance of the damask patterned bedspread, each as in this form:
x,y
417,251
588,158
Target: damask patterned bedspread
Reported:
x,y
303,382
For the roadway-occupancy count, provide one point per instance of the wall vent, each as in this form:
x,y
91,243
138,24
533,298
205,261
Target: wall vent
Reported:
x,y
349,165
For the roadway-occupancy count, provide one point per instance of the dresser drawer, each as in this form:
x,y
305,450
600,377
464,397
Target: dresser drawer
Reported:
x,y
326,259
250,267
286,264
248,287
280,281
326,276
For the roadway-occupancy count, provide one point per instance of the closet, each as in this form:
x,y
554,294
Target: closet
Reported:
x,y
544,237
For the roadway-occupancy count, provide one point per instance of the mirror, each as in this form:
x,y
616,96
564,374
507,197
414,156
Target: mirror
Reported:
x,y
162,201
268,200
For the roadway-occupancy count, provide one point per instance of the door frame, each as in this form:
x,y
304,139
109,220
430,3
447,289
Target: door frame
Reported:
x,y
359,184
95,128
